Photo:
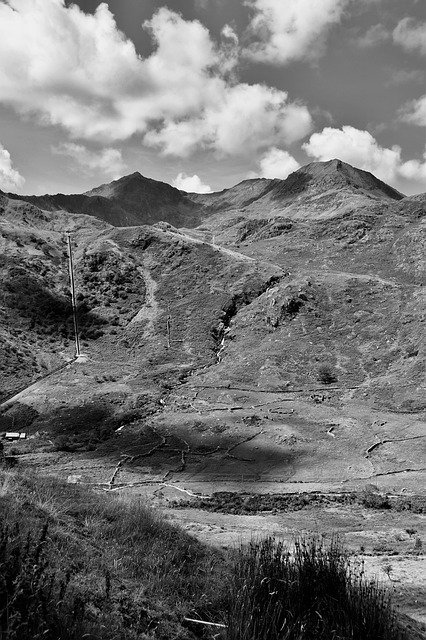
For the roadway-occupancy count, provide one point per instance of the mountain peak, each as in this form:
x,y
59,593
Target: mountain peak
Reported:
x,y
339,174
109,189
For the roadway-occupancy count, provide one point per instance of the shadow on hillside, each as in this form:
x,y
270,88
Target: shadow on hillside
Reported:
x,y
46,311
208,452
294,184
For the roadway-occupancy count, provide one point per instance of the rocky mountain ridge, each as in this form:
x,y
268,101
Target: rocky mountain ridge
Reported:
x,y
318,189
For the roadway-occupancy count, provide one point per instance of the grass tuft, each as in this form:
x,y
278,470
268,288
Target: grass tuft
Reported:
x,y
311,592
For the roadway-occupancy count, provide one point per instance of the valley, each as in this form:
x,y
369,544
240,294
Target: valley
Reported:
x,y
265,340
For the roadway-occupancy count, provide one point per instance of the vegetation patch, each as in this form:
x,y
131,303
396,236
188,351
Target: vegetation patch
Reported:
x,y
309,592
78,564
75,564
251,504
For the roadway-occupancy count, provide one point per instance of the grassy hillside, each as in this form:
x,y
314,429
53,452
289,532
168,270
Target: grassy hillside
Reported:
x,y
76,564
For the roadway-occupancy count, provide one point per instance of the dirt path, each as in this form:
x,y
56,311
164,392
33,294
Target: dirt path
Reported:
x,y
217,247
150,309
33,386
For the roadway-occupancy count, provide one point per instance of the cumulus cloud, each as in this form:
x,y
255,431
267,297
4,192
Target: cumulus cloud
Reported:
x,y
360,149
291,30
190,184
414,169
108,160
411,35
276,163
415,112
248,117
10,178
79,71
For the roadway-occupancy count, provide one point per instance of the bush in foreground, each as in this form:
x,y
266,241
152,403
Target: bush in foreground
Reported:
x,y
310,594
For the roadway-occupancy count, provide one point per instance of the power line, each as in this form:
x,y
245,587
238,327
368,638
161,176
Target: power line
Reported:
x,y
73,300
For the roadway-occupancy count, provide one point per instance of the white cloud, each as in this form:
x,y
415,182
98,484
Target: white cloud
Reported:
x,y
291,30
229,52
229,33
414,170
276,163
360,149
10,178
79,71
246,118
411,35
415,112
190,184
108,160
373,36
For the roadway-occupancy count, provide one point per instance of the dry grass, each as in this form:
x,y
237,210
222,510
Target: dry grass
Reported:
x,y
78,564
129,571
310,592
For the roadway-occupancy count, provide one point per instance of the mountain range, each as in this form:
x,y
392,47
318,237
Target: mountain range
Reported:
x,y
134,199
327,222
286,310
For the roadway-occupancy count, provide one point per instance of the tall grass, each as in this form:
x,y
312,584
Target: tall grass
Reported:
x,y
309,593
33,600
76,564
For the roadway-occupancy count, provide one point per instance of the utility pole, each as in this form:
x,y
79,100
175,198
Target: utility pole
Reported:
x,y
73,301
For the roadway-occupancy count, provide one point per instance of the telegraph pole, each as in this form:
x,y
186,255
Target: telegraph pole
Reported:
x,y
73,300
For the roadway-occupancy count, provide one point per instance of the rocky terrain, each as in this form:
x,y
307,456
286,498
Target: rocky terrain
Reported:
x,y
266,339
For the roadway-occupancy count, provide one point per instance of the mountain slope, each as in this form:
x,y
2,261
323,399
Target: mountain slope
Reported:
x,y
131,200
317,190
337,227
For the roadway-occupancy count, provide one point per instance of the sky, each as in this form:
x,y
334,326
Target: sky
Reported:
x,y
205,93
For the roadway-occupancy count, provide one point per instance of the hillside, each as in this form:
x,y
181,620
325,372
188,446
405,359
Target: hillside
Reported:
x,y
278,346
333,275
86,564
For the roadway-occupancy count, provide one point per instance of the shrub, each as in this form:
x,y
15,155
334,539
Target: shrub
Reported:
x,y
373,499
326,374
310,593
